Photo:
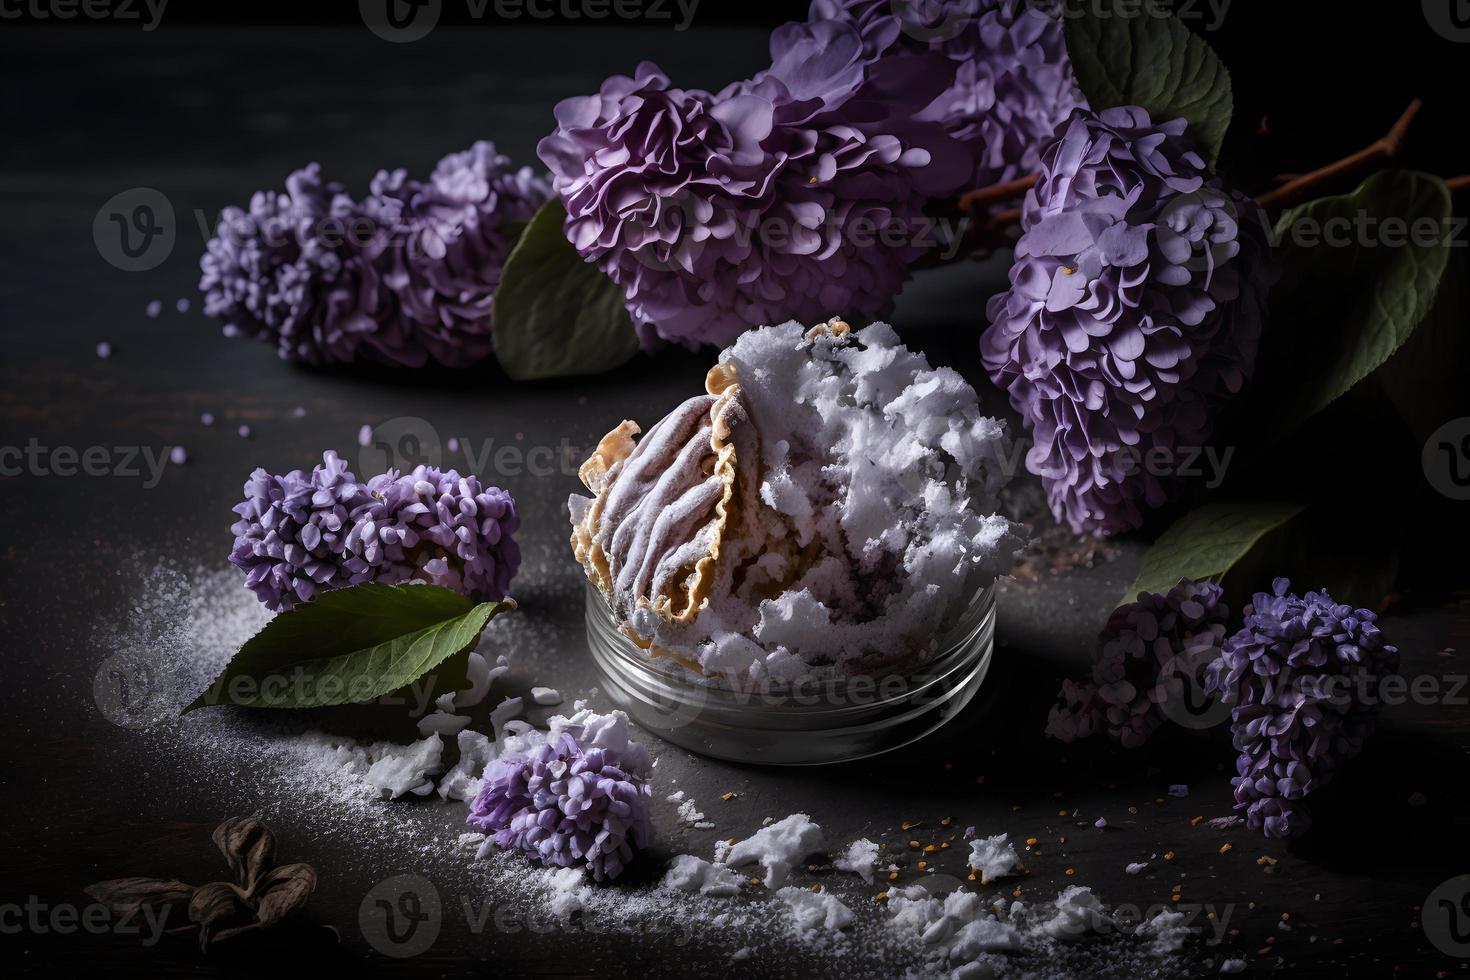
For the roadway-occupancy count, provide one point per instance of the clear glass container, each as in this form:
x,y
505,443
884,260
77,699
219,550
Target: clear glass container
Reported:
x,y
802,723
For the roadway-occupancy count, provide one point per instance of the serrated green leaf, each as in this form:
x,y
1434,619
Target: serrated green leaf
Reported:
x,y
1347,300
352,645
1207,543
556,314
1150,59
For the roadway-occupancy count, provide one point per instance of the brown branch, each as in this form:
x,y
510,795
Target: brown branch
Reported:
x,y
976,201
1383,150
1457,184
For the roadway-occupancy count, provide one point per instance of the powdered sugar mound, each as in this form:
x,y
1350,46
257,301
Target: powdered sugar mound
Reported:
x,y
569,890
778,847
814,912
859,858
688,873
993,857
958,925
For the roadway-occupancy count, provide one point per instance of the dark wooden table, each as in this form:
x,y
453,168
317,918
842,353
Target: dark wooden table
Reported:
x,y
206,117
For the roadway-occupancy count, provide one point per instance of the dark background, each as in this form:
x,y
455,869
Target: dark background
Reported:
x,y
226,98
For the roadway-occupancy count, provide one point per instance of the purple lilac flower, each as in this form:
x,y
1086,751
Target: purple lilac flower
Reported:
x,y
1134,312
299,535
566,804
1013,83
791,195
403,277
1145,653
436,527
1303,675
292,529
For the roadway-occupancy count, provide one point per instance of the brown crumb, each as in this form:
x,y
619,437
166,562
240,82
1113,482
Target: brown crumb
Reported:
x,y
1168,855
1226,848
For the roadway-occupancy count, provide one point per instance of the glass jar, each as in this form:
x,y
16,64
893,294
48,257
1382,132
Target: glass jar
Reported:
x,y
800,723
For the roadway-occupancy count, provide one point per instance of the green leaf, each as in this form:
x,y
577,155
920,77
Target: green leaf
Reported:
x,y
1150,59
352,645
1207,543
556,314
1424,379
1347,300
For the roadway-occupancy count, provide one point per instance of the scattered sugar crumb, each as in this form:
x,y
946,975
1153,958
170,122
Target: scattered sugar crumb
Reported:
x,y
993,857
1138,867
814,912
859,858
546,695
688,873
779,846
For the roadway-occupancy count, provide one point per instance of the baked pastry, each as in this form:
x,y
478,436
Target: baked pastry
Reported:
x,y
826,507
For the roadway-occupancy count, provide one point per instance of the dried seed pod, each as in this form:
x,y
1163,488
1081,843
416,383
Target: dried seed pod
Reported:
x,y
215,904
248,846
127,897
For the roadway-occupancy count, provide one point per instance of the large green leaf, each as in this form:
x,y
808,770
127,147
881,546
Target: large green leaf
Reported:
x,y
352,645
1208,543
1351,293
555,314
1147,57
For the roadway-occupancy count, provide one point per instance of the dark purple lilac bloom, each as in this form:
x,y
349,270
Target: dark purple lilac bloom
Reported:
x,y
1304,676
292,530
566,804
1013,83
796,194
436,527
299,535
403,277
1145,653
1134,312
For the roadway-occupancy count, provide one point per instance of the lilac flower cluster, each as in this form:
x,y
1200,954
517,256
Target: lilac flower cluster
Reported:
x,y
1134,312
299,535
403,277
1147,653
565,804
1013,83
1303,675
794,194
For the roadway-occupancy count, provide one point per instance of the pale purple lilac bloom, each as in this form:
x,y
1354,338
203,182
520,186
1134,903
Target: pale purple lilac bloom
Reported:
x,y
566,804
1133,316
1304,677
299,534
405,276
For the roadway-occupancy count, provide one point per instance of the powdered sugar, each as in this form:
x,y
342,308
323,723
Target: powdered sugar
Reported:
x,y
778,847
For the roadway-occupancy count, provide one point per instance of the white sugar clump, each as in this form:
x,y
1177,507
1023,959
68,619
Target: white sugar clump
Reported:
x,y
958,926
476,751
778,847
1136,867
1168,930
546,695
688,873
828,508
1078,913
568,889
993,857
398,769
859,858
814,912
